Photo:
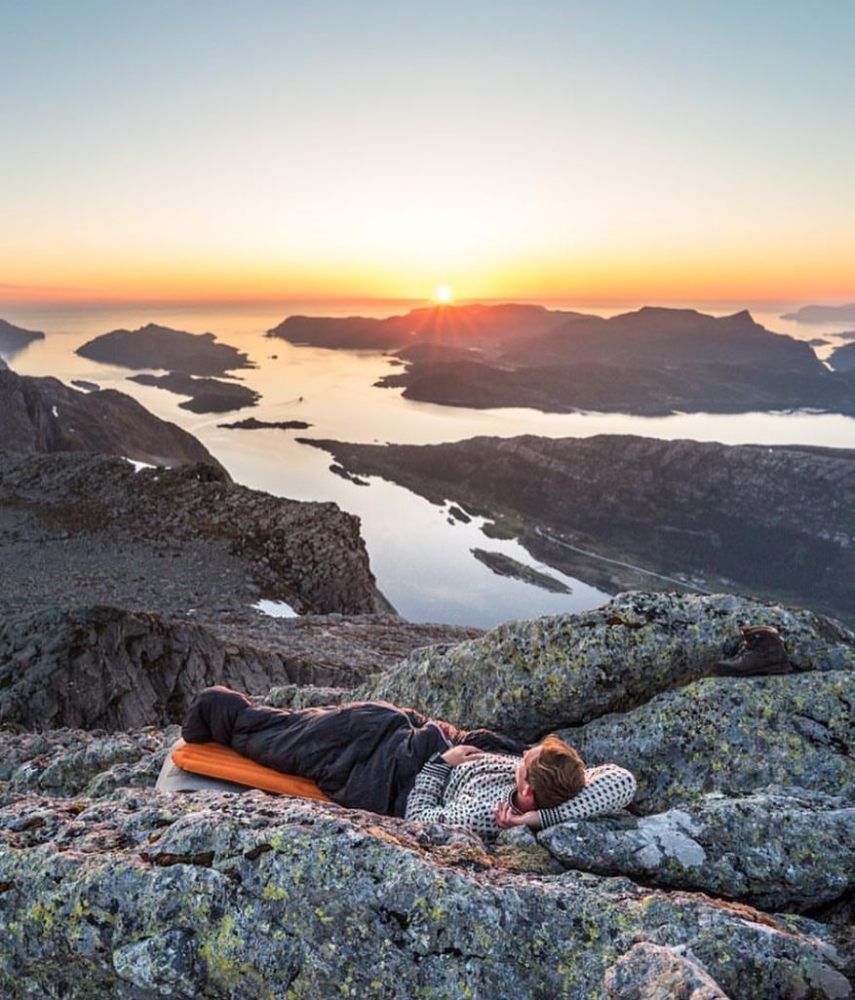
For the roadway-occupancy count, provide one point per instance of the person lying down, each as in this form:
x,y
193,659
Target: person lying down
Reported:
x,y
395,761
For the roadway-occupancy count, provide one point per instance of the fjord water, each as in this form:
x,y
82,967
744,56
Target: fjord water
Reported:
x,y
420,555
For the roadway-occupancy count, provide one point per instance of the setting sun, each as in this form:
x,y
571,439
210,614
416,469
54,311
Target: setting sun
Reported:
x,y
443,294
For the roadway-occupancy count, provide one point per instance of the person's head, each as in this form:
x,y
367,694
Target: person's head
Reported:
x,y
550,773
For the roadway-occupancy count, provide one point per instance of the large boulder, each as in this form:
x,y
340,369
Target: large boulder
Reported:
x,y
108,668
144,895
731,735
529,677
778,849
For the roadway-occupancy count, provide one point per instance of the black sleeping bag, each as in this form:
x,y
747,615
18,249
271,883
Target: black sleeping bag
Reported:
x,y
364,755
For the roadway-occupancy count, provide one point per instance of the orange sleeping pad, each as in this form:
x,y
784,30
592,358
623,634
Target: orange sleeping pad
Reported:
x,y
217,761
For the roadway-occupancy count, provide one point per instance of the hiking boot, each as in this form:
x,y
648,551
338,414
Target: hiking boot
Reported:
x,y
761,651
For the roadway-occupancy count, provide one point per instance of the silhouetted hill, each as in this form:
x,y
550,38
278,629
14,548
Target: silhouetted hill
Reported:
x,y
653,361
654,337
14,338
449,326
842,358
42,414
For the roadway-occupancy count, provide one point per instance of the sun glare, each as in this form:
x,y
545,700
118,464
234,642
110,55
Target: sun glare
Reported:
x,y
443,294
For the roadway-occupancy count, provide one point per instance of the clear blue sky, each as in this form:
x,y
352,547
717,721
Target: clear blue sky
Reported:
x,y
166,148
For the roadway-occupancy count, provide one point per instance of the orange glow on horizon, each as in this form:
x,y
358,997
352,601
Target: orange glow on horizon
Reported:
x,y
714,274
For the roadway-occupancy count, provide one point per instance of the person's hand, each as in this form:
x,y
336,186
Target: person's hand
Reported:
x,y
461,754
507,818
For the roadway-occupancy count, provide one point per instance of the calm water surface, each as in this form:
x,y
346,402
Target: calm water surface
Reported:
x,y
420,556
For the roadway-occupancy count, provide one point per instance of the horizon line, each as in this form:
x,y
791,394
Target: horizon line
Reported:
x,y
412,301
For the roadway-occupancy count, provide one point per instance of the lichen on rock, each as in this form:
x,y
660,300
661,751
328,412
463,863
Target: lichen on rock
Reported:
x,y
777,848
529,677
731,735
233,896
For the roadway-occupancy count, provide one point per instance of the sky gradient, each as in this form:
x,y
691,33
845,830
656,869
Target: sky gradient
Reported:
x,y
618,151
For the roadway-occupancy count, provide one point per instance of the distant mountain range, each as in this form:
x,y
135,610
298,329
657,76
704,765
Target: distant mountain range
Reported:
x,y
450,326
651,361
823,314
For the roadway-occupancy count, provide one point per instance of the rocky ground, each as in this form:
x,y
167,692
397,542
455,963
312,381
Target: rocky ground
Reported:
x,y
622,512
110,668
123,592
84,529
731,876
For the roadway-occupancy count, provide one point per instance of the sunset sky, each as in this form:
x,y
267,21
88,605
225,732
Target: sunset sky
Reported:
x,y
609,151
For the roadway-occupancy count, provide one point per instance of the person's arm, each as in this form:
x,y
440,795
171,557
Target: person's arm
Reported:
x,y
609,789
424,802
427,791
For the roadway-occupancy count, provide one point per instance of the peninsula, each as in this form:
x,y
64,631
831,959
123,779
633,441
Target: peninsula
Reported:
x,y
620,511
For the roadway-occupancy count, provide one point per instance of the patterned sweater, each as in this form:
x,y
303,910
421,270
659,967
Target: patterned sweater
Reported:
x,y
467,795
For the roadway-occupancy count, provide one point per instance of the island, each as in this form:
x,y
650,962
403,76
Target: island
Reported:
x,y
162,348
207,395
251,424
503,565
652,361
622,512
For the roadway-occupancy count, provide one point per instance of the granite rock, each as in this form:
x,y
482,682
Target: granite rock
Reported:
x,y
146,895
563,670
734,736
67,762
777,849
108,668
